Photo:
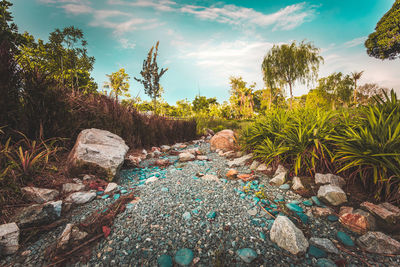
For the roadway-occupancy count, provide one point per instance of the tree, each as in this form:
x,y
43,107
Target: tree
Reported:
x,y
356,76
367,91
151,76
119,83
384,42
202,103
290,63
242,96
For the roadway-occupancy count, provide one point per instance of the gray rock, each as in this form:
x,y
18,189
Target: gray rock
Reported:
x,y
210,177
254,165
70,234
9,238
72,187
81,197
111,187
201,157
184,157
333,194
165,148
297,184
329,178
240,161
278,179
324,244
39,195
377,242
263,167
287,236
38,214
98,150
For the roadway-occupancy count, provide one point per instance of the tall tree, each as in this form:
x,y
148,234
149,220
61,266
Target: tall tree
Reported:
x,y
384,42
290,63
356,76
118,83
151,76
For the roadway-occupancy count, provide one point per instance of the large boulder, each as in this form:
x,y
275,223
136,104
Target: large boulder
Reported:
x,y
98,151
377,242
224,140
287,236
333,194
38,214
9,237
39,195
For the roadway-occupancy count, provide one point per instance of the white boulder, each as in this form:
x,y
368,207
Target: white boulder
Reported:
x,y
333,194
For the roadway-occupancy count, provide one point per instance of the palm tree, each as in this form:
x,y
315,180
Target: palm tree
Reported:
x,y
356,76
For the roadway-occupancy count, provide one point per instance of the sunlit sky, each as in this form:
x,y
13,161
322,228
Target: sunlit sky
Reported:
x,y
203,43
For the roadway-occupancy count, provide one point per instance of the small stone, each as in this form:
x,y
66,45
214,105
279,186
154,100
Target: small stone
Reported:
x,y
210,177
164,189
333,194
246,254
187,216
200,157
278,179
325,263
151,179
252,211
329,179
284,187
316,201
240,161
262,168
262,236
184,257
355,222
72,187
345,239
254,165
377,242
211,215
316,252
9,238
308,203
116,196
165,261
345,209
294,207
184,157
385,211
297,185
321,212
325,244
332,218
110,188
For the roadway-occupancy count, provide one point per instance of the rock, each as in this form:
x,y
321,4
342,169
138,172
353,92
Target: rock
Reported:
x,y
161,162
377,242
187,216
294,207
38,214
111,187
321,212
200,157
325,244
134,160
308,202
247,254
279,179
385,211
81,197
252,211
355,222
254,165
184,257
9,238
345,209
229,154
316,201
345,239
151,179
157,154
284,187
370,218
325,263
238,162
72,187
231,174
245,176
316,252
211,215
333,218
297,185
329,179
184,157
333,194
70,234
263,167
210,177
224,140
97,151
287,236
39,195
165,260
165,148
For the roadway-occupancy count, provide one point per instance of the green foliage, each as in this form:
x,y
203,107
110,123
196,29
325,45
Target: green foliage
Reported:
x,y
287,64
384,43
202,103
371,146
118,83
151,76
241,98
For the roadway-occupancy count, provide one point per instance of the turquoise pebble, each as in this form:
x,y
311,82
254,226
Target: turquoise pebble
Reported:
x,y
308,203
325,263
294,207
316,252
165,261
105,196
247,254
123,191
184,256
211,215
345,239
333,218
262,236
116,196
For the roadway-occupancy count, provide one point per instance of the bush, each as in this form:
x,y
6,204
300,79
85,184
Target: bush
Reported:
x,y
217,124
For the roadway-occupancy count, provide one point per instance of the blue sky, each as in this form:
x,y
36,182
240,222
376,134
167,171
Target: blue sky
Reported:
x,y
204,42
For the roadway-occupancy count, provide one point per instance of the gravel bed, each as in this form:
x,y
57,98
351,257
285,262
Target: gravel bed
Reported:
x,y
172,214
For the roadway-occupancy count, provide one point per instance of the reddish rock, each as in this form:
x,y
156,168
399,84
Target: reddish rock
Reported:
x,y
224,140
154,148
385,211
231,174
321,212
161,162
355,222
377,242
245,177
345,209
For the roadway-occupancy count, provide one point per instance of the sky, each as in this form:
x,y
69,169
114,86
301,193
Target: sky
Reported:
x,y
203,43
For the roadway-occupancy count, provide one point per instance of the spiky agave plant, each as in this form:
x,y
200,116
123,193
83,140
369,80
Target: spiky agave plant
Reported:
x,y
370,148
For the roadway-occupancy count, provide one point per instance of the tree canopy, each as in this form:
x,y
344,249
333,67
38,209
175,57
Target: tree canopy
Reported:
x,y
287,64
118,83
384,42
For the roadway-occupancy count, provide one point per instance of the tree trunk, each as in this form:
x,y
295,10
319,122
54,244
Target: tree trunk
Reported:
x,y
355,91
291,95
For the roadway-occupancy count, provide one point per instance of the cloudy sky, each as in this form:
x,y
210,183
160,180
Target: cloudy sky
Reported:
x,y
204,42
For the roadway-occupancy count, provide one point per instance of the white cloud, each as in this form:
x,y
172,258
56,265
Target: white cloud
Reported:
x,y
355,42
126,44
161,5
77,9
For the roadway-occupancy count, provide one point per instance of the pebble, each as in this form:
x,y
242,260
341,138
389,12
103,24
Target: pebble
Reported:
x,y
332,218
211,215
345,239
284,187
247,254
184,256
316,252
187,216
165,261
325,263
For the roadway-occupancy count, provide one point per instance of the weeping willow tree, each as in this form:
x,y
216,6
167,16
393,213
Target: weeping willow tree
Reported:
x,y
288,64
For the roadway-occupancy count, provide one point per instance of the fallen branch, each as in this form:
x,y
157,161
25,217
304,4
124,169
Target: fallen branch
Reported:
x,y
267,211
